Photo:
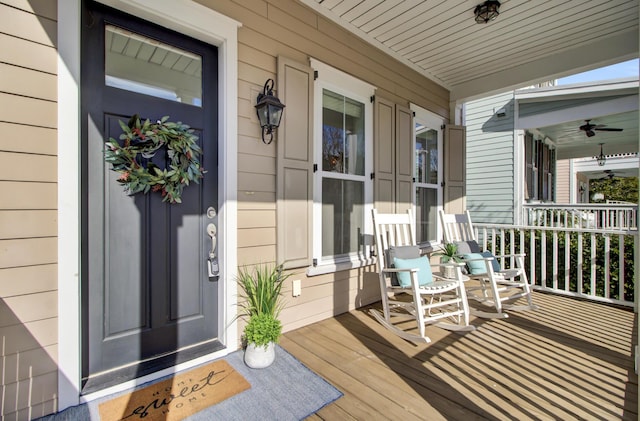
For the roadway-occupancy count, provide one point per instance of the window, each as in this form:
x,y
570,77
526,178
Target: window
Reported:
x,y
136,63
540,169
531,170
428,174
343,189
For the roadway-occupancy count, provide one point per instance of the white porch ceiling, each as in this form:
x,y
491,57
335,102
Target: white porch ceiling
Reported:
x,y
531,41
557,112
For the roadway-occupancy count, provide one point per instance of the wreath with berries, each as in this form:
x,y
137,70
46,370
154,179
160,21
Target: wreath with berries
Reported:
x,y
139,142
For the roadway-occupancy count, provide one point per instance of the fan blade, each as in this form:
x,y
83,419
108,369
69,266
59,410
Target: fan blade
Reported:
x,y
605,129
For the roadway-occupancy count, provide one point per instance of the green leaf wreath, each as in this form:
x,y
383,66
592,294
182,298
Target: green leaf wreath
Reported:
x,y
139,142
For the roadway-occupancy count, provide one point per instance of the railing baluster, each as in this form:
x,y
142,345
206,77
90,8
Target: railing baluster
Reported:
x,y
543,258
512,247
621,268
607,265
502,239
579,259
567,261
593,265
555,260
532,256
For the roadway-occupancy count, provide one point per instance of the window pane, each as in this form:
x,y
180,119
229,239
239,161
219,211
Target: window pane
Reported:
x,y
426,214
342,216
143,65
426,155
342,134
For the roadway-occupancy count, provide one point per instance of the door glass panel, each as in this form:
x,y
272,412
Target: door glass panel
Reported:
x,y
426,174
426,155
143,65
426,214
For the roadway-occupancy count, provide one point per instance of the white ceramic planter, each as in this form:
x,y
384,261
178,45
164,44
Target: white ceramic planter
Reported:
x,y
259,357
449,272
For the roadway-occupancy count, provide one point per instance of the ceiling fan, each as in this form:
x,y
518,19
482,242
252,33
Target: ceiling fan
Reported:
x,y
589,129
607,174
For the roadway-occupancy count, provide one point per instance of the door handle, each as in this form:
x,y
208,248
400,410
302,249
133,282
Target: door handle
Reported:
x,y
213,268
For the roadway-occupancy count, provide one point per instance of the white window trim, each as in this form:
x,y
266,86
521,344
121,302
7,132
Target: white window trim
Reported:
x,y
341,83
434,122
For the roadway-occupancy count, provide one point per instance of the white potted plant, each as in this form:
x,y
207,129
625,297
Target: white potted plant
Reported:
x,y
262,294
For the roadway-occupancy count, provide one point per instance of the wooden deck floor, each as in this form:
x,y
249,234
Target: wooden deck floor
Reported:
x,y
570,359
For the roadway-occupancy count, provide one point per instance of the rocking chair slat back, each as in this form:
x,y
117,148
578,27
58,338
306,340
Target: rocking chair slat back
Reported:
x,y
457,227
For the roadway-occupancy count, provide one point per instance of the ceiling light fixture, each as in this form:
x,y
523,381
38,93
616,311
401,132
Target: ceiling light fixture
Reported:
x,y
601,158
487,11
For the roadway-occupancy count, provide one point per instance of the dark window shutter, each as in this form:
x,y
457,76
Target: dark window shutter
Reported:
x,y
404,159
384,184
295,164
454,168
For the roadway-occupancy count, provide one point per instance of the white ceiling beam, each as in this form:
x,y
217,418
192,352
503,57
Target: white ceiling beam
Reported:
x,y
596,109
608,51
580,151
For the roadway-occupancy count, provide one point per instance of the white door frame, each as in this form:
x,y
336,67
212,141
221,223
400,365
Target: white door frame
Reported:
x,y
197,21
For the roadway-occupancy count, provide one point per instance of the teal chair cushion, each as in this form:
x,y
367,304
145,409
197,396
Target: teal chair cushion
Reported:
x,y
401,252
425,276
477,267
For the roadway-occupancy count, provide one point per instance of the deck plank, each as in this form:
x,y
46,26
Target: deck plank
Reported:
x,y
571,359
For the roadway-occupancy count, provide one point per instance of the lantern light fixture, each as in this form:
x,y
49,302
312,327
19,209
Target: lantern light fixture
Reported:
x,y
269,109
601,158
487,11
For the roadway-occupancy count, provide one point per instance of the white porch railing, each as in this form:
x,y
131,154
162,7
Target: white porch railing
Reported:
x,y
582,215
595,264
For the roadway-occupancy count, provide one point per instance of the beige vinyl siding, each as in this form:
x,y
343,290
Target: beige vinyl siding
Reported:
x,y
286,28
328,295
563,180
28,216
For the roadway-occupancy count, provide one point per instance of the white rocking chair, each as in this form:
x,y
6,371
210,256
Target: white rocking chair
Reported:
x,y
403,273
496,283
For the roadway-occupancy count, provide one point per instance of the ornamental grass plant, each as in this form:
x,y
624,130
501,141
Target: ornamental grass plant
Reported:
x,y
449,252
261,302
262,289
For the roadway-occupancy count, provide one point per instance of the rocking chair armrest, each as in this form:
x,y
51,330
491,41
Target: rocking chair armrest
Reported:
x,y
478,259
396,270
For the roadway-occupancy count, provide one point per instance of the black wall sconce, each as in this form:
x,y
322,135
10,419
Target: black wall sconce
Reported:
x,y
487,11
269,109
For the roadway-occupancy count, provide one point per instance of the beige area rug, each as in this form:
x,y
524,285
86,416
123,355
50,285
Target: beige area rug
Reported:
x,y
177,397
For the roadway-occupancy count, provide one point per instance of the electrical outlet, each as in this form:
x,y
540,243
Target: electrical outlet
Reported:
x,y
296,287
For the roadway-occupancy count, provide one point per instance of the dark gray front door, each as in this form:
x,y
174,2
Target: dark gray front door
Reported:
x,y
148,301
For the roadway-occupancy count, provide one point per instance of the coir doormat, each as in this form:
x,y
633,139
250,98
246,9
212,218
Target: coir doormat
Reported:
x,y
177,397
